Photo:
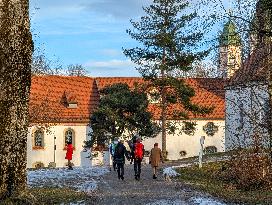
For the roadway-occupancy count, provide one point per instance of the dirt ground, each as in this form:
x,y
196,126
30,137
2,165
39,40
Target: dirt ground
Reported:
x,y
147,191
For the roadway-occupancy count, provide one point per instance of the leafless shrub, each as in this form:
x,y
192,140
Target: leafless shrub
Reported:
x,y
249,169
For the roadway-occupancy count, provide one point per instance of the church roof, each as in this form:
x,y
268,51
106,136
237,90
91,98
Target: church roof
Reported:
x,y
106,81
255,68
209,92
50,96
229,35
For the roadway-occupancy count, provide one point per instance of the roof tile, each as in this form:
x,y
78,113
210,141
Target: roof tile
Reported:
x,y
46,103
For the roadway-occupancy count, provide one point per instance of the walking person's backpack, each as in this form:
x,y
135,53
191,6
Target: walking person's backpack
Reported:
x,y
139,150
112,148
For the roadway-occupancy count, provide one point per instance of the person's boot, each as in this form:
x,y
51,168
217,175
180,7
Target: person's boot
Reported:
x,y
122,177
70,167
136,176
154,176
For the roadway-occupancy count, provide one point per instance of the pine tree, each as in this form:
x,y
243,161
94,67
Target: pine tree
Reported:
x,y
15,58
122,112
167,46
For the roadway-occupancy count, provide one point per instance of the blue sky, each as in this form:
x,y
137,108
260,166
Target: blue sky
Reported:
x,y
87,32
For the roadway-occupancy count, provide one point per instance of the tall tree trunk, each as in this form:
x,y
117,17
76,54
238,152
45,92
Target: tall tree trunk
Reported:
x,y
15,77
163,111
270,102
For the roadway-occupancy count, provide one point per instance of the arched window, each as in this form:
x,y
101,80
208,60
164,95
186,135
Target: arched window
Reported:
x,y
69,136
38,141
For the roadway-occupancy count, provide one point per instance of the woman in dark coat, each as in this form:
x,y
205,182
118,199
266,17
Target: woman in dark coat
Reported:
x,y
69,154
155,158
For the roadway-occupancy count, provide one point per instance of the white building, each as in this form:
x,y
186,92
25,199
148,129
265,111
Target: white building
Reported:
x,y
61,106
247,97
247,103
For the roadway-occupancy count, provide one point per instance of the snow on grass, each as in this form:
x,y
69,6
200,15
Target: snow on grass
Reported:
x,y
76,203
205,201
192,201
169,171
81,179
166,202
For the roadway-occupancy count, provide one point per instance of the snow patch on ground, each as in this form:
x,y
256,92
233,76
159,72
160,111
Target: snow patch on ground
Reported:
x,y
205,201
81,179
166,202
184,165
76,203
169,171
193,201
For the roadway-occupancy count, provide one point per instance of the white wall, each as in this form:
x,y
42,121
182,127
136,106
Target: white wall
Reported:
x,y
246,107
190,144
175,144
46,155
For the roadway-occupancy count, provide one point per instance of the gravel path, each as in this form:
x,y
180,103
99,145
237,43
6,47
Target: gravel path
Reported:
x,y
147,191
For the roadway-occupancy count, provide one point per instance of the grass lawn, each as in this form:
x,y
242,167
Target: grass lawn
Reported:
x,y
205,179
48,196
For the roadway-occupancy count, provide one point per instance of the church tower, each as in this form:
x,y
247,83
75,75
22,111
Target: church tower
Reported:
x,y
229,50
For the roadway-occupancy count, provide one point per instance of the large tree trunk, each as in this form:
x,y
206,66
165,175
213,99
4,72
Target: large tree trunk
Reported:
x,y
270,103
15,78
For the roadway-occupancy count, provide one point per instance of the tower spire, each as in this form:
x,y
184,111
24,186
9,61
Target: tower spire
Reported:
x,y
229,50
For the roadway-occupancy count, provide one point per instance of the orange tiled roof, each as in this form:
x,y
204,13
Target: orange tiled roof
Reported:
x,y
50,95
106,81
209,92
255,68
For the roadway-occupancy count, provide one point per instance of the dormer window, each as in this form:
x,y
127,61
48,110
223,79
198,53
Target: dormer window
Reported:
x,y
72,105
69,100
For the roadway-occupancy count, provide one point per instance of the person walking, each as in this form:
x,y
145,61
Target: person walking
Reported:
x,y
155,158
112,150
138,157
69,154
132,143
119,157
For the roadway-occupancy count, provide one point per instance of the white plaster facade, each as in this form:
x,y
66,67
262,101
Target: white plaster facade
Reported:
x,y
46,155
246,106
175,144
190,144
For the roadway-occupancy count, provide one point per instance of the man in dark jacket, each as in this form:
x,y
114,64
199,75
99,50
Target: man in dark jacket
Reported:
x,y
119,157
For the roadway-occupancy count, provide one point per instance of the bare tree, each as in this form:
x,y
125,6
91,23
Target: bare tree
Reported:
x,y
200,69
15,58
41,65
76,70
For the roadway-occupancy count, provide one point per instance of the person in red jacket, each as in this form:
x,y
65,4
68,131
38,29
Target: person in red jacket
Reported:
x,y
138,157
69,154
